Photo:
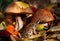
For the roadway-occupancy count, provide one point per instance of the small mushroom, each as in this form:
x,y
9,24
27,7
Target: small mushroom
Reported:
x,y
17,8
42,15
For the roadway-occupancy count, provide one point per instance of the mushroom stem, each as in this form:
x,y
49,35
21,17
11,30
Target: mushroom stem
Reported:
x,y
19,23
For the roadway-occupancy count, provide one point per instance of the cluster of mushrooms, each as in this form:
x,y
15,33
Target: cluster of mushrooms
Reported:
x,y
42,25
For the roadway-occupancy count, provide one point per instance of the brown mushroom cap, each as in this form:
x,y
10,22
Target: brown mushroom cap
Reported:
x,y
44,15
18,8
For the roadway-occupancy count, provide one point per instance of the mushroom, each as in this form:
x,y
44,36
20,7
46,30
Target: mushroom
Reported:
x,y
42,15
17,8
